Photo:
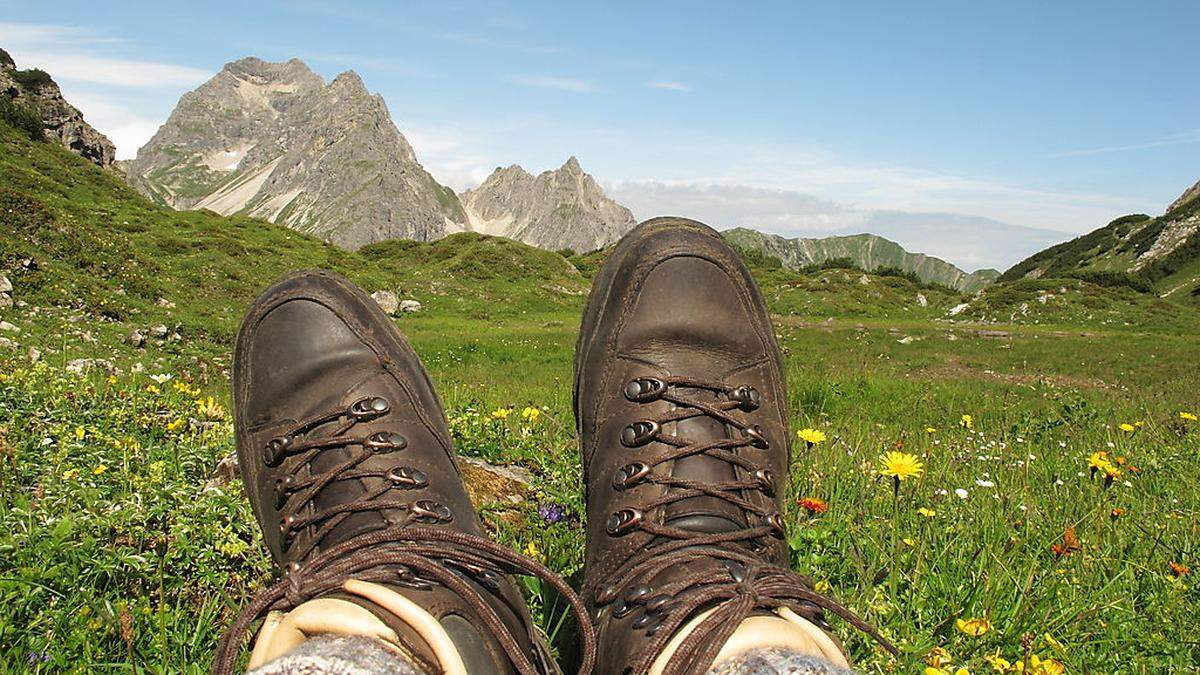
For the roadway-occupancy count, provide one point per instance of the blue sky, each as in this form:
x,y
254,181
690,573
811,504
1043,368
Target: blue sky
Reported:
x,y
975,131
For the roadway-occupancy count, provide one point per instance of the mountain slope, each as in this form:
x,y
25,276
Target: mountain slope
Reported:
x,y
561,209
1137,249
865,250
274,141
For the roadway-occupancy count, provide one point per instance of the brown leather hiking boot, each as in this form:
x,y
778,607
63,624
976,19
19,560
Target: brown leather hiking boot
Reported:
x,y
683,421
347,460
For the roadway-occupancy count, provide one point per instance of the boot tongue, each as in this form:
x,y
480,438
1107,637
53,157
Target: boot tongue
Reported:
x,y
703,514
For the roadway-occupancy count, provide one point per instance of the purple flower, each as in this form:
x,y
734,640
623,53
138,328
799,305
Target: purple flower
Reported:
x,y
38,657
552,513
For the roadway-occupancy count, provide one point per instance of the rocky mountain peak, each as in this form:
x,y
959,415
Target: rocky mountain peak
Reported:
x,y
558,209
273,140
36,92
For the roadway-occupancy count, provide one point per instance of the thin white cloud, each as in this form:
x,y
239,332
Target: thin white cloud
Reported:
x,y
670,85
367,62
557,83
78,66
1176,139
450,155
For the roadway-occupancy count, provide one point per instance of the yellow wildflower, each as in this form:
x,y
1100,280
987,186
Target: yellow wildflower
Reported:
x,y
70,474
967,422
946,671
930,430
501,413
973,627
928,513
208,407
531,414
900,465
99,470
1127,427
909,542
531,551
1054,644
1188,416
1039,666
79,433
811,436
999,664
112,379
153,389
938,657
175,424
1098,461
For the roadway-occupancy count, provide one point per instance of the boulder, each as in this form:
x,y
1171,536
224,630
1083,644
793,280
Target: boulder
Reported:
x,y
5,285
8,327
387,301
410,306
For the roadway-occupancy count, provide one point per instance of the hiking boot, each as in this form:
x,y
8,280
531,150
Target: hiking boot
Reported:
x,y
346,457
683,421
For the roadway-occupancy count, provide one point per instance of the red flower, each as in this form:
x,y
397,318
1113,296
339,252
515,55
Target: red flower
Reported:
x,y
813,504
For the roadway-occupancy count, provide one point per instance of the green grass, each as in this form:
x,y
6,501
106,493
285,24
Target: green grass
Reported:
x,y
116,557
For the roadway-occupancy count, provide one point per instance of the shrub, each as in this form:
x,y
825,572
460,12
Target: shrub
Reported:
x,y
1114,279
33,78
21,117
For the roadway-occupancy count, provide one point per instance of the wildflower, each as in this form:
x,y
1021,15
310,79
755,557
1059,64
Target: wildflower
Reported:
x,y
501,413
1127,427
79,433
112,379
1055,644
909,542
813,504
99,470
811,436
153,389
70,474
967,422
973,627
961,493
985,483
938,657
551,512
901,466
822,586
161,377
1070,543
1039,666
928,513
208,407
530,414
1188,416
930,430
1179,569
944,671
1000,665
175,424
1116,513
531,551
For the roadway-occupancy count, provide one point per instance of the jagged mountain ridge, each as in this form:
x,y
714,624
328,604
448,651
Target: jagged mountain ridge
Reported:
x,y
1162,251
866,250
274,141
36,92
560,209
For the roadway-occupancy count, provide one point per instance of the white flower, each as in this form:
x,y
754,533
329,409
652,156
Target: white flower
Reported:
x,y
1111,444
962,494
161,377
985,483
941,492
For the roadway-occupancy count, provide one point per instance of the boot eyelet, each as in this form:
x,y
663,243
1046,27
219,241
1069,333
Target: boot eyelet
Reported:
x,y
382,442
654,628
757,437
630,475
644,620
368,408
431,512
407,478
775,521
645,389
637,594
276,450
639,433
621,609
623,521
766,481
747,398
737,571
657,603
283,490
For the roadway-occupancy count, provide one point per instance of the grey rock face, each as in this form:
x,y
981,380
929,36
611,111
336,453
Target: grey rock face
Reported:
x,y
554,210
274,141
1188,195
61,121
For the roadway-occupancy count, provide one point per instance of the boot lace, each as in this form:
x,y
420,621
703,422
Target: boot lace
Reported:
x,y
412,553
742,582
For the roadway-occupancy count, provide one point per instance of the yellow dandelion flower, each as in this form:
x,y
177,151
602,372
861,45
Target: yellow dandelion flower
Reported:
x,y
1098,460
501,413
99,470
1188,416
928,513
973,627
1039,666
811,436
900,465
531,414
967,422
1127,427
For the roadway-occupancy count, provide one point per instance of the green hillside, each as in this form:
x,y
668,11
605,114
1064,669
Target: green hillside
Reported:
x,y
123,549
1160,255
867,251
